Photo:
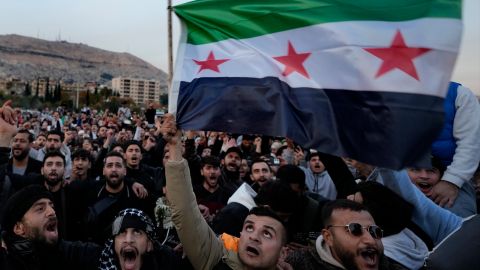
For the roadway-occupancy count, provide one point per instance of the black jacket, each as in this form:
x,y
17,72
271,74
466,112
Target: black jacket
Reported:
x,y
65,255
33,166
98,222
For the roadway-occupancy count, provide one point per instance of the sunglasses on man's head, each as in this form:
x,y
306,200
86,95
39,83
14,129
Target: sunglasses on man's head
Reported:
x,y
357,229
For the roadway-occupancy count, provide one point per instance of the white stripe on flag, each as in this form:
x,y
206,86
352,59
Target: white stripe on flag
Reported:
x,y
338,59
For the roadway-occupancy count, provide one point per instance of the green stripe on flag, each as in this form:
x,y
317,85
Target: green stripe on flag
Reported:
x,y
216,20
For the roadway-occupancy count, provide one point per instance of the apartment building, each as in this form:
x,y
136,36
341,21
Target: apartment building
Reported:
x,y
140,90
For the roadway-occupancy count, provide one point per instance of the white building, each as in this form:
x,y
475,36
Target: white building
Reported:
x,y
140,90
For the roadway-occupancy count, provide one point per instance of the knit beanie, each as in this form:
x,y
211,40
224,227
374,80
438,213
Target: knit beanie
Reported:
x,y
127,218
134,218
20,202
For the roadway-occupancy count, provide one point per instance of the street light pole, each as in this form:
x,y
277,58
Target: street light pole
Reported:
x,y
170,46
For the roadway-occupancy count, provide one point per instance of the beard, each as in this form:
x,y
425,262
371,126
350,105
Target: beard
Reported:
x,y
39,239
53,182
114,183
22,155
52,149
347,258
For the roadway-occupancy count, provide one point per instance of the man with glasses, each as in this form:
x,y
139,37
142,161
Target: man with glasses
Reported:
x,y
350,240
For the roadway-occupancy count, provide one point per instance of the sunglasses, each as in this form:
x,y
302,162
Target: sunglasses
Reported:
x,y
357,229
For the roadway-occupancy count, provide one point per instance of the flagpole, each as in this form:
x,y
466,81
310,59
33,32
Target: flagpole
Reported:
x,y
170,47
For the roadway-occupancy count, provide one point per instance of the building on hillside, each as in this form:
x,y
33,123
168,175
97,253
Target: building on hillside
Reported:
x,y
140,90
42,83
12,86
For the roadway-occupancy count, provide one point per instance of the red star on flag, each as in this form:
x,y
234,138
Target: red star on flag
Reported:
x,y
398,55
293,61
210,63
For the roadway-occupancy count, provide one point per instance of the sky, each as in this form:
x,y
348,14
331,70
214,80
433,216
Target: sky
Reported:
x,y
139,27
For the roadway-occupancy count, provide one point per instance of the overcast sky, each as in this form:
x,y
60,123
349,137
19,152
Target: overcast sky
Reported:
x,y
139,27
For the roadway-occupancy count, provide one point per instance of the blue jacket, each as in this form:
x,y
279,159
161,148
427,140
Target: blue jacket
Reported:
x,y
444,146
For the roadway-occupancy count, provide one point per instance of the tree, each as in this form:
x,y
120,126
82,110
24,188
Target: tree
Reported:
x,y
48,95
57,95
28,90
105,92
36,87
47,89
164,99
87,98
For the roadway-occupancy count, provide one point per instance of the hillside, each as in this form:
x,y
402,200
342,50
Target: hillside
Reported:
x,y
28,58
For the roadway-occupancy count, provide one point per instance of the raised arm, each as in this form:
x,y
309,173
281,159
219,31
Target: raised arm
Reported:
x,y
202,247
7,130
437,222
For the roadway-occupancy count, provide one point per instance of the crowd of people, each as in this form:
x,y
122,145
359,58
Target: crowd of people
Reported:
x,y
121,190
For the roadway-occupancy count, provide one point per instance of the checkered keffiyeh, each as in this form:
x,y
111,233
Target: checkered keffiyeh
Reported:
x,y
107,258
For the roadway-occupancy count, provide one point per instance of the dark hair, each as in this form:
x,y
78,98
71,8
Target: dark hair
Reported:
x,y
280,150
291,174
30,135
56,132
210,160
278,196
260,160
53,154
311,155
233,149
341,204
113,145
82,153
132,142
113,126
437,163
265,211
114,154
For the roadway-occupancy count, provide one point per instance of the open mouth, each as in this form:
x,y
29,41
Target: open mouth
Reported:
x,y
51,227
424,187
370,255
262,179
252,251
129,257
232,165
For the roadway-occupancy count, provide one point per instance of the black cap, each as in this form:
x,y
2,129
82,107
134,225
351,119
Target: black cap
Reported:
x,y
20,202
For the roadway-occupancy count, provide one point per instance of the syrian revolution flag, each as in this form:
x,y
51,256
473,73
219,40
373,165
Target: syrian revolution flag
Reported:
x,y
364,79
